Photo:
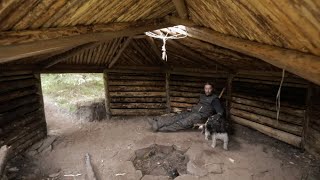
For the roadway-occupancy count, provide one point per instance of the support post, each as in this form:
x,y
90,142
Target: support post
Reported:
x,y
107,95
229,95
168,91
306,116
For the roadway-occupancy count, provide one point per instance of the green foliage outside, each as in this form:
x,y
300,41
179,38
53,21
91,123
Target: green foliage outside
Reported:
x,y
68,89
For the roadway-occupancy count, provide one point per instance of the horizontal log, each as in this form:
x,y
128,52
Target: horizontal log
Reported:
x,y
51,40
15,135
262,99
136,77
18,112
9,105
28,141
136,88
14,85
184,94
17,93
137,94
197,84
21,122
288,84
186,100
272,114
266,77
290,128
299,63
186,89
138,105
179,104
214,77
136,83
137,112
4,72
138,99
277,134
18,77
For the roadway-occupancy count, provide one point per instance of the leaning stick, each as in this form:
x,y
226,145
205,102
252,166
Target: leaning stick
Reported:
x,y
4,153
89,168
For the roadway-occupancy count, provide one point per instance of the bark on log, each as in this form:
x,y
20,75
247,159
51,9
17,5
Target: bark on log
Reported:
x,y
137,94
272,114
16,77
137,83
262,99
290,128
4,154
269,106
136,89
278,134
136,77
13,85
184,94
138,99
137,112
182,105
19,112
89,169
138,105
186,89
288,84
17,93
185,100
6,106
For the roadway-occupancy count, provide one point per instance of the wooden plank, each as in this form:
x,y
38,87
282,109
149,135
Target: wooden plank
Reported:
x,y
6,106
278,134
17,93
14,85
53,39
180,105
185,100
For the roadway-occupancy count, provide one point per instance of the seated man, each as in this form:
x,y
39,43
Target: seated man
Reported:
x,y
208,105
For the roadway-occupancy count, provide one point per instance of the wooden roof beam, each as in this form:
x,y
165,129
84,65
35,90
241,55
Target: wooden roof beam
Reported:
x,y
61,57
181,8
199,56
123,47
13,44
302,64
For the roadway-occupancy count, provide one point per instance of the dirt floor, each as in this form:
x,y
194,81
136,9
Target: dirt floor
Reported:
x,y
111,145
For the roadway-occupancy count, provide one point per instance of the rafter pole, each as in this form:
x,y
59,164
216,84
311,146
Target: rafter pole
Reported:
x,y
123,47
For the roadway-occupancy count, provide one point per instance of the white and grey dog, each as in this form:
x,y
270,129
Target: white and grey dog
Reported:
x,y
216,127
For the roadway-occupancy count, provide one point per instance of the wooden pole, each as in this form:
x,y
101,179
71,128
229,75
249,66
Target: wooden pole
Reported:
x,y
107,95
307,115
181,8
168,92
229,95
124,46
4,153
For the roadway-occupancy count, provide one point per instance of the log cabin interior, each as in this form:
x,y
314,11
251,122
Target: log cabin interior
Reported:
x,y
251,50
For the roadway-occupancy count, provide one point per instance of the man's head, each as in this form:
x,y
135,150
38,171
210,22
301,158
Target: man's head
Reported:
x,y
208,88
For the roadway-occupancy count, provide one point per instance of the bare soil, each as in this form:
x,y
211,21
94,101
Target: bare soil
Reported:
x,y
111,145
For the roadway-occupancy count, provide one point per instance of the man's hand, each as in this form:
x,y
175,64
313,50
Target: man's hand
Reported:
x,y
189,109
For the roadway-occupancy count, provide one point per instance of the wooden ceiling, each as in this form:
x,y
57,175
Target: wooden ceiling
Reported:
x,y
40,31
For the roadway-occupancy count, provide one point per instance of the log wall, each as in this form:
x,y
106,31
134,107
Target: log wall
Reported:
x,y
185,89
253,104
312,137
22,119
137,93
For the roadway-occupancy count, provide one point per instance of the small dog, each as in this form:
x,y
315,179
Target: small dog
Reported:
x,y
216,126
